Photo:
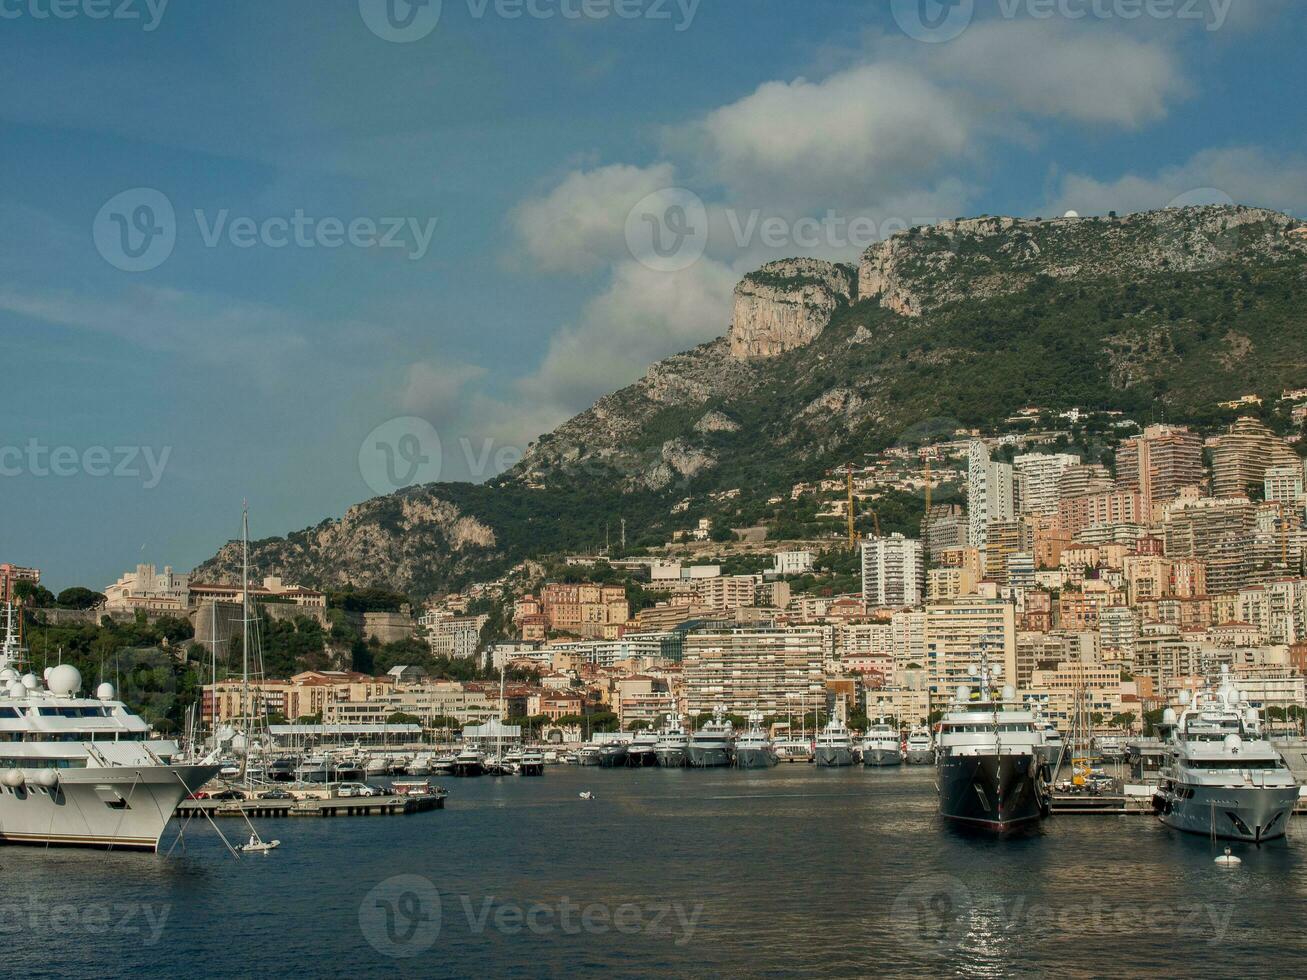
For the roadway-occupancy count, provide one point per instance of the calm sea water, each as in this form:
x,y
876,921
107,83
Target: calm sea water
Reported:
x,y
793,871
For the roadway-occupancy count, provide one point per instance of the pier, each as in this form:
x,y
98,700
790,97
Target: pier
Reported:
x,y
327,806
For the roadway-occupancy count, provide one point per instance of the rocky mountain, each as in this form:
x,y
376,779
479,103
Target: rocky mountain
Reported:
x,y
1157,314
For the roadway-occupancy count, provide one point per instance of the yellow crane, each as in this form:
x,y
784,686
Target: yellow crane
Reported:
x,y
875,518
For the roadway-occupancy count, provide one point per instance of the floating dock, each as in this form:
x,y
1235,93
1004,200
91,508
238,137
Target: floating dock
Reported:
x,y
327,806
1083,804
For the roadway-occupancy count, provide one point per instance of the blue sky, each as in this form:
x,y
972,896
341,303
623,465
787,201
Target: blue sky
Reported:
x,y
242,364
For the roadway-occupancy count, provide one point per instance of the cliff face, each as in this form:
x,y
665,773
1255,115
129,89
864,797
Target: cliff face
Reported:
x,y
966,320
398,542
785,305
976,258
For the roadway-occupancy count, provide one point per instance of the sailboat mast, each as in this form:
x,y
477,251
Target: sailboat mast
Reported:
x,y
245,630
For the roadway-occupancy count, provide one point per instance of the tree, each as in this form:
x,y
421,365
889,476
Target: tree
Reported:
x,y
79,598
34,596
402,718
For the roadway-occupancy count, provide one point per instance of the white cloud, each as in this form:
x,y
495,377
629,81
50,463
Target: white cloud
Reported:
x,y
642,316
578,226
436,390
857,134
1247,175
1048,70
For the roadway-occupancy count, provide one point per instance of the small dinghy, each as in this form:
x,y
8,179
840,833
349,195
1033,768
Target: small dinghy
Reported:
x,y
586,795
256,846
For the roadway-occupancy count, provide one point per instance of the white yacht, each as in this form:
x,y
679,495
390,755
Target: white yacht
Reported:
x,y
673,744
79,770
1050,743
468,762
754,749
834,744
920,747
640,752
990,774
1222,777
712,744
881,745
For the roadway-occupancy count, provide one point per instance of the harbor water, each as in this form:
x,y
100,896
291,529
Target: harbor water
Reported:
x,y
789,871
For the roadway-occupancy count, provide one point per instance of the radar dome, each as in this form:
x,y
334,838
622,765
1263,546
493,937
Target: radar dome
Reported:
x,y
1168,716
30,682
1233,743
65,680
104,692
13,778
48,777
17,690
7,675
1009,692
963,692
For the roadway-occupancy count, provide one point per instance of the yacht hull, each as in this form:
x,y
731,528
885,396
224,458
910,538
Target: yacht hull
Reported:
x,y
709,756
641,757
1249,813
882,757
755,758
1048,754
113,808
670,758
832,756
993,792
920,757
610,757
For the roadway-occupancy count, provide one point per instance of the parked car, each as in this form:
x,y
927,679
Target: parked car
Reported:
x,y
357,789
227,794
277,794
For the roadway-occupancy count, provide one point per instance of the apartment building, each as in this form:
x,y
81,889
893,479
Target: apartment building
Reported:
x,y
893,572
957,631
1043,474
1159,463
990,493
584,609
775,671
1241,457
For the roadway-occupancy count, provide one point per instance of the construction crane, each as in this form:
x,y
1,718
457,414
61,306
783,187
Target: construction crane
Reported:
x,y
875,519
